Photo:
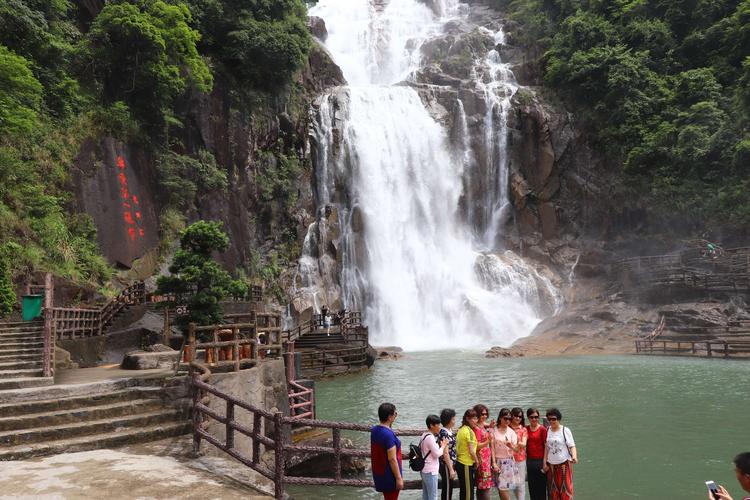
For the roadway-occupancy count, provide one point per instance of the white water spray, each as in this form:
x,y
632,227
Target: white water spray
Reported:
x,y
423,279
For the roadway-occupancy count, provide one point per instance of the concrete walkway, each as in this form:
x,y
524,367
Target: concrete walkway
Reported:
x,y
154,471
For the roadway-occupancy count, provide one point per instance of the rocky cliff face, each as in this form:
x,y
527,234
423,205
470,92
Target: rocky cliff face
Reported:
x,y
116,182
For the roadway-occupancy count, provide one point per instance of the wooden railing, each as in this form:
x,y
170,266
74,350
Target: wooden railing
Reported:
x,y
331,359
351,322
301,400
725,271
240,347
683,347
79,322
281,427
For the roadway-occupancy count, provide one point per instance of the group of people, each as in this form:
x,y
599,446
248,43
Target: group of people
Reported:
x,y
483,455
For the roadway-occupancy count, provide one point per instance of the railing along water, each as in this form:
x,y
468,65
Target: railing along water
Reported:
x,y
282,425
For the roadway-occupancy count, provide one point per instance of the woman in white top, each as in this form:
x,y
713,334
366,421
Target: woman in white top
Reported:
x,y
504,444
432,451
559,456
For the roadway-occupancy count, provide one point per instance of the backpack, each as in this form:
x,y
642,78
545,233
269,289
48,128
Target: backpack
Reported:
x,y
416,460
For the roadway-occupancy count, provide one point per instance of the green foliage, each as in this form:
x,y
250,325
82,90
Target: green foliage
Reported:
x,y
36,225
144,53
7,294
196,278
260,43
664,84
183,177
43,33
277,172
21,95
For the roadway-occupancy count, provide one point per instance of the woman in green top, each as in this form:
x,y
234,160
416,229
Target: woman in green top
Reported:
x,y
466,454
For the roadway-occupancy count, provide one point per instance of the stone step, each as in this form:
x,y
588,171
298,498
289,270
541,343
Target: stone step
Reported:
x,y
21,333
74,415
25,383
12,351
22,340
21,365
101,426
11,374
7,358
59,404
16,346
22,329
90,389
120,437
36,351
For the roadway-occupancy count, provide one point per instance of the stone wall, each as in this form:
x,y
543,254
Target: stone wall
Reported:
x,y
263,386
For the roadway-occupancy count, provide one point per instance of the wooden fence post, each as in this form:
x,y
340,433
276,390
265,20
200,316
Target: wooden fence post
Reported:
x,y
278,441
49,341
191,356
230,427
197,418
337,453
256,442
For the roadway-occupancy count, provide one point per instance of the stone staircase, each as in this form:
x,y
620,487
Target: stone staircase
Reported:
x,y
62,419
319,339
21,353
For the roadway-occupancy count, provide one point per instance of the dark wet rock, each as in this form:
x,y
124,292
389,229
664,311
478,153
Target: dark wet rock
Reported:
x,y
317,27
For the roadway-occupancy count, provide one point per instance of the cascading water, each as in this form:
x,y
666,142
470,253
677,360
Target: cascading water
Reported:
x,y
387,167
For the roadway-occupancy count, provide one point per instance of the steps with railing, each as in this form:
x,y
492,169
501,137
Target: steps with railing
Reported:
x,y
79,322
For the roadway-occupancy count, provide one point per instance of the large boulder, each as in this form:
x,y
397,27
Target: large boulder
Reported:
x,y
144,360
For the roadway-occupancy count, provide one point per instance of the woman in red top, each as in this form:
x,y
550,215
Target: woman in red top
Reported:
x,y
534,456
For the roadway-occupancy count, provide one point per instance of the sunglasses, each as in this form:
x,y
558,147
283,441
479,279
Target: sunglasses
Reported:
x,y
534,416
552,419
505,418
484,414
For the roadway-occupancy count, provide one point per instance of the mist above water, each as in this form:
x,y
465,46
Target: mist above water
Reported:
x,y
424,276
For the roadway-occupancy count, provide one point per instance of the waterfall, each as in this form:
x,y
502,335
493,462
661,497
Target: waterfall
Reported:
x,y
395,178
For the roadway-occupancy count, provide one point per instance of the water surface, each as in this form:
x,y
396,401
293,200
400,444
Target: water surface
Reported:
x,y
645,427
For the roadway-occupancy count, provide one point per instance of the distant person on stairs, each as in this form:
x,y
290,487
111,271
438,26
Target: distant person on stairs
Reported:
x,y
742,471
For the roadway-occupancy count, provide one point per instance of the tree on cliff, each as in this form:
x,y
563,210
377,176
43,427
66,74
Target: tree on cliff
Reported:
x,y
197,279
144,53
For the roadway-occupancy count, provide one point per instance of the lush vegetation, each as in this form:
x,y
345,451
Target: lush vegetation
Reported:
x,y
665,87
197,280
126,71
7,294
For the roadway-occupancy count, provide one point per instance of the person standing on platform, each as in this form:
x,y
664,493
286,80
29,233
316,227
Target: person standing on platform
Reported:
x,y
518,425
432,447
466,454
385,453
559,456
448,460
535,456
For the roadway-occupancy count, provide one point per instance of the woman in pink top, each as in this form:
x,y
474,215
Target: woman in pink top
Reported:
x,y
504,441
518,425
432,451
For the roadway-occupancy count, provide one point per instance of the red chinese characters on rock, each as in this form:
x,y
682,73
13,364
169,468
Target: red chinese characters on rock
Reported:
x,y
131,210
